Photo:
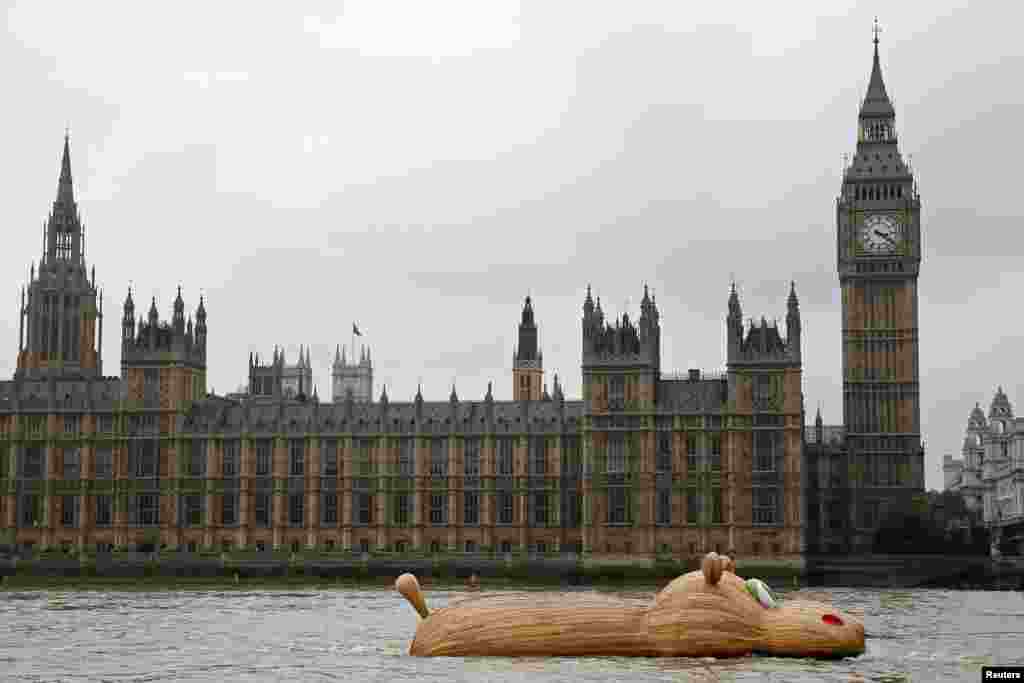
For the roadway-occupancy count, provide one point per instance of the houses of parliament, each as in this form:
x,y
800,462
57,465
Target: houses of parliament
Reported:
x,y
644,463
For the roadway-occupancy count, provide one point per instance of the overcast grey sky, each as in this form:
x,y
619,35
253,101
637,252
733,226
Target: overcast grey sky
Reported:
x,y
419,167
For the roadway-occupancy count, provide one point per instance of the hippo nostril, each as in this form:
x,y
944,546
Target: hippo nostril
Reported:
x,y
832,619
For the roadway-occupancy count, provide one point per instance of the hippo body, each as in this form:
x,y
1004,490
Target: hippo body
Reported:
x,y
703,613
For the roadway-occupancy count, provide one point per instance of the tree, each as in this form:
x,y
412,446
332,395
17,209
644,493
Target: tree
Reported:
x,y
929,523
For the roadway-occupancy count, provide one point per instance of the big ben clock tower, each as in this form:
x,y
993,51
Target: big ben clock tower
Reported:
x,y
878,220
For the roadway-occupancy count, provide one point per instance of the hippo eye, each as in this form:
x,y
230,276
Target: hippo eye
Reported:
x,y
832,619
761,593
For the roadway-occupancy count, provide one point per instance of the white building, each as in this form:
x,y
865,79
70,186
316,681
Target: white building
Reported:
x,y
990,476
357,376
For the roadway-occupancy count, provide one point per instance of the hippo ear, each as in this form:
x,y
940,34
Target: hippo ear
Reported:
x,y
712,568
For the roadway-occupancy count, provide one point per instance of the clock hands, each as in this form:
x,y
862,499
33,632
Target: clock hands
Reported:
x,y
889,239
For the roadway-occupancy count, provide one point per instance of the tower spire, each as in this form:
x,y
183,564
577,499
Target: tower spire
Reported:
x,y
65,190
63,230
527,348
876,101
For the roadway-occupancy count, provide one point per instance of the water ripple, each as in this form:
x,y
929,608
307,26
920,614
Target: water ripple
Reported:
x,y
363,634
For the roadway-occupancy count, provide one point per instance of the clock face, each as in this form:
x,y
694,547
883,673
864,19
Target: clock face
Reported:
x,y
880,233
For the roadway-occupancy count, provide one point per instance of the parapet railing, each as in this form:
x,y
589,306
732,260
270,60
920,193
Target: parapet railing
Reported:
x,y
694,375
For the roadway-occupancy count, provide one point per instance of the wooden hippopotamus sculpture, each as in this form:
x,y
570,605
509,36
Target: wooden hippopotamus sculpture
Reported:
x,y
705,613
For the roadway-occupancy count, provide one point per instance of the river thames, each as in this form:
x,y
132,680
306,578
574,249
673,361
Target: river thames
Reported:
x,y
362,634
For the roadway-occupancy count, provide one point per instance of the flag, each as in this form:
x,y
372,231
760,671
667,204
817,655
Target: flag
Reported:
x,y
355,330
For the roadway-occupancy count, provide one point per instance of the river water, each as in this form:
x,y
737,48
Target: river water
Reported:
x,y
363,635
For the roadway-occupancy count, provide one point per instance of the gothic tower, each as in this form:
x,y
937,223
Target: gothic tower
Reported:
x,y
265,379
621,364
878,220
355,377
527,360
164,364
61,312
297,379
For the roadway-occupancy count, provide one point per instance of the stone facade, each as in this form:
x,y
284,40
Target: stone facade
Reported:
x,y
671,465
647,463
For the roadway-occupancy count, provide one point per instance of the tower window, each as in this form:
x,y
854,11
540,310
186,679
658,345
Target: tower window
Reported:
x,y
191,511
438,458
402,507
69,511
363,502
71,464
616,454
693,504
663,461
295,509
716,451
505,464
406,462
616,391
263,457
505,508
104,510
664,510
229,509
104,463
438,509
540,509
230,458
263,510
691,452
471,463
618,505
538,456
297,460
195,464
471,511
767,445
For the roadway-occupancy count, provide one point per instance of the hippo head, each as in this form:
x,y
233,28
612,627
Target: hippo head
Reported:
x,y
809,629
713,611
